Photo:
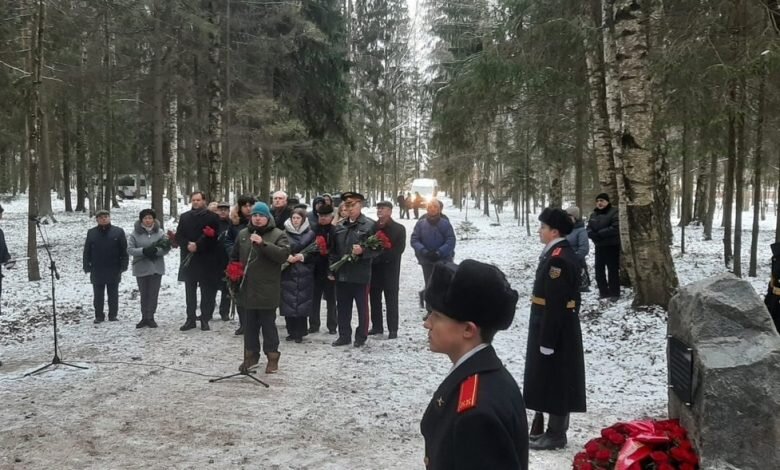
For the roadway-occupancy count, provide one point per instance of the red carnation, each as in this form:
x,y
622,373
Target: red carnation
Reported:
x,y
617,438
603,455
322,244
659,456
386,244
172,237
234,271
592,447
665,466
209,232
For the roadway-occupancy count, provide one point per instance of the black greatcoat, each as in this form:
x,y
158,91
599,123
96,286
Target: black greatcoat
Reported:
x,y
491,435
105,254
386,270
555,384
209,258
772,299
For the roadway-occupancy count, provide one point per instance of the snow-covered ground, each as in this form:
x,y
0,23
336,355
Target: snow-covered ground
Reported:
x,y
145,400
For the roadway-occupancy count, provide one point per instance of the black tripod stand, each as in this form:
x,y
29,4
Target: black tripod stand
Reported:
x,y
56,361
248,373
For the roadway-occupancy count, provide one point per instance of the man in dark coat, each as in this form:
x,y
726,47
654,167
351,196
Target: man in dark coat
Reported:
x,y
312,216
280,208
353,279
554,379
476,419
239,218
5,257
604,230
772,299
401,201
223,211
386,271
201,255
323,286
105,259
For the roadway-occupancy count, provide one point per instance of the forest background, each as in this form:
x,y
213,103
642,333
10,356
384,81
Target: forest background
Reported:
x,y
672,107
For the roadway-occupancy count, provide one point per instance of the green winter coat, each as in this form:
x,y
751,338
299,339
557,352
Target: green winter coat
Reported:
x,y
261,287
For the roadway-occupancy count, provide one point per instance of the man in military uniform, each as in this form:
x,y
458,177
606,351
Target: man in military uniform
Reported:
x,y
554,380
476,419
772,299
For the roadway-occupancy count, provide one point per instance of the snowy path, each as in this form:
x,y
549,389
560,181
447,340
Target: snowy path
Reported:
x,y
328,408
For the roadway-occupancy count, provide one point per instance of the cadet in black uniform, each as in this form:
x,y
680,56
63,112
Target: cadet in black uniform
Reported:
x,y
554,380
476,419
772,299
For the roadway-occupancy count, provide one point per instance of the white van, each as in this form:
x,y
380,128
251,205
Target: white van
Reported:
x,y
131,186
427,187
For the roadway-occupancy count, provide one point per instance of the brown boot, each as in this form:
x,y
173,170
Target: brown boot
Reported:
x,y
273,362
251,358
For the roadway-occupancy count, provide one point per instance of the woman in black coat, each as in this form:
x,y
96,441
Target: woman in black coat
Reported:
x,y
298,277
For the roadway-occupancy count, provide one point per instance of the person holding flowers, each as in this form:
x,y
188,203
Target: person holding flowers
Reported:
x,y
148,245
323,286
386,271
262,248
298,276
196,236
351,268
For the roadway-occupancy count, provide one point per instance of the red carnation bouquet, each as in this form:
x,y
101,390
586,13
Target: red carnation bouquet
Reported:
x,y
234,273
322,244
208,232
376,242
639,445
172,238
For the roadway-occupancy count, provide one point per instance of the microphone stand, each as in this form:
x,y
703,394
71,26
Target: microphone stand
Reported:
x,y
56,361
253,370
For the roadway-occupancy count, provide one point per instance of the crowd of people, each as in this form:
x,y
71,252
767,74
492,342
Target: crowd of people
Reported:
x,y
288,255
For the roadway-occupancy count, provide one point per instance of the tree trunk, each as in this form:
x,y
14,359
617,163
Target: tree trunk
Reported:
x,y
655,282
65,123
34,119
739,177
215,107
600,127
700,201
81,138
728,184
686,215
158,119
44,165
757,170
173,164
712,189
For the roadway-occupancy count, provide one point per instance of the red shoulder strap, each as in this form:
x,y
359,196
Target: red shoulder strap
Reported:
x,y
557,252
468,393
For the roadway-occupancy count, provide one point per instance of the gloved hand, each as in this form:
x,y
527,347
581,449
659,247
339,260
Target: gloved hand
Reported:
x,y
434,256
150,252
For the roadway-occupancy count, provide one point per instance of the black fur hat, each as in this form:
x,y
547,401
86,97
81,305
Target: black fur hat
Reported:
x,y
472,291
325,209
557,219
146,212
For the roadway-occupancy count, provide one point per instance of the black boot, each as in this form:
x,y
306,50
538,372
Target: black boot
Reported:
x,y
188,325
141,324
151,323
537,427
239,331
204,324
555,437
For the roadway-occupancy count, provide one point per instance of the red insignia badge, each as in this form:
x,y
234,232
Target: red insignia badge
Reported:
x,y
556,252
468,393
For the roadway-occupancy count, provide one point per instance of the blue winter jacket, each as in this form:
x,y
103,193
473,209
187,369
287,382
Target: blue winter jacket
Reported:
x,y
578,239
433,234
